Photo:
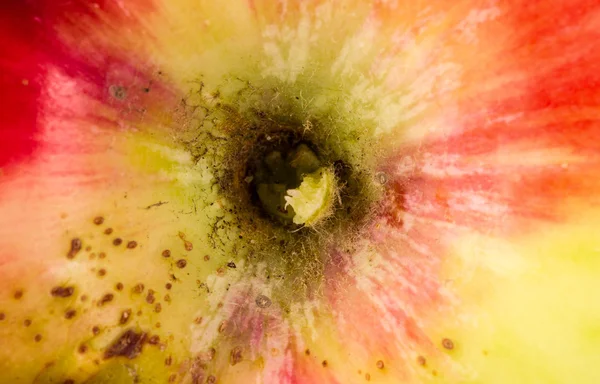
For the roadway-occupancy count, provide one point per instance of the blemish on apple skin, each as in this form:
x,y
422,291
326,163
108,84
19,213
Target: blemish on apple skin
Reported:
x,y
18,294
125,316
150,297
421,361
132,244
448,344
108,231
98,220
381,178
129,344
263,301
138,288
187,244
367,376
324,363
118,241
107,298
181,263
118,92
75,248
62,291
235,356
166,253
380,364
70,313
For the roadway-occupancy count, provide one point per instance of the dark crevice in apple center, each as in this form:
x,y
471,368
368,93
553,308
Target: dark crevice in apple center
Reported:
x,y
242,131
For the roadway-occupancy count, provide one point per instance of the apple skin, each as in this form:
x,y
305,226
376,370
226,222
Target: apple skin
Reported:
x,y
474,126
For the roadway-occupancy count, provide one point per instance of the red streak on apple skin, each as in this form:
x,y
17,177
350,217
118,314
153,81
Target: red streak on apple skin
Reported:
x,y
382,305
30,46
503,200
527,139
19,63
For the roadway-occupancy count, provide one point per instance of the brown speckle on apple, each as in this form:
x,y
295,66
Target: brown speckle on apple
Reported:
x,y
448,344
138,288
129,344
75,248
235,355
153,340
107,298
62,291
125,316
70,313
150,297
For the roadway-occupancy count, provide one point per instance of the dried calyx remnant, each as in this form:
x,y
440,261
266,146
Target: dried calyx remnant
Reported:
x,y
295,180
292,185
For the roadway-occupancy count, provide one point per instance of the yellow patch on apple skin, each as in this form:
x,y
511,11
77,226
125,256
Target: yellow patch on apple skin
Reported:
x,y
95,221
530,305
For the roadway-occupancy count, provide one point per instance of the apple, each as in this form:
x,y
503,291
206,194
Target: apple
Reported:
x,y
299,191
